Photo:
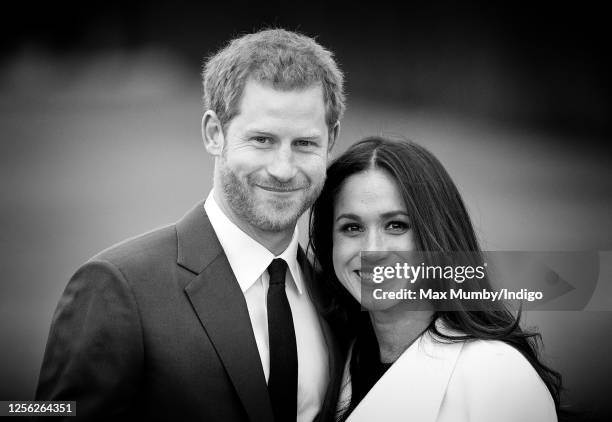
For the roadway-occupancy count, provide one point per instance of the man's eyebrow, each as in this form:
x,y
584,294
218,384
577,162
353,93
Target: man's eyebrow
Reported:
x,y
309,138
261,132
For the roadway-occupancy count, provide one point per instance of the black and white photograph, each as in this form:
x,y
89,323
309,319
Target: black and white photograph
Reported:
x,y
308,211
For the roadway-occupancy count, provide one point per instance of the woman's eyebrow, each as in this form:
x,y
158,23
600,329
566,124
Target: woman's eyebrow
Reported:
x,y
394,213
385,215
349,216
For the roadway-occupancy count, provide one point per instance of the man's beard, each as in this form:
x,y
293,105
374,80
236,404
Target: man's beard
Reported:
x,y
273,215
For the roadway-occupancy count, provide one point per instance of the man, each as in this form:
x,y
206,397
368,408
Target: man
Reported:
x,y
215,317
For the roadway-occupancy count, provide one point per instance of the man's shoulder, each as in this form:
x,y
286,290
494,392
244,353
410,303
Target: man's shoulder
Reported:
x,y
147,248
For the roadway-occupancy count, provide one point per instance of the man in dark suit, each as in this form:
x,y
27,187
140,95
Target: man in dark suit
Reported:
x,y
217,318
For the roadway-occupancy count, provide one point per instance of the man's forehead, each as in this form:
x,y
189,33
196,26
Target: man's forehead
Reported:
x,y
262,106
263,129
280,126
255,87
282,86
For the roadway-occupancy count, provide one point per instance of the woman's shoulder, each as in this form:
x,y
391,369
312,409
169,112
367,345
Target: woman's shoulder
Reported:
x,y
493,360
493,354
496,380
484,356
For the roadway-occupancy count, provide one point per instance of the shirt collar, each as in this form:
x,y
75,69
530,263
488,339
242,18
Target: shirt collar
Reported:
x,y
247,257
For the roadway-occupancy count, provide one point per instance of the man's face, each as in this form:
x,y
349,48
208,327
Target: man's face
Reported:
x,y
274,158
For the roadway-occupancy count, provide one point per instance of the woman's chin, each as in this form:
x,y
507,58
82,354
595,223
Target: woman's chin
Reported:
x,y
370,304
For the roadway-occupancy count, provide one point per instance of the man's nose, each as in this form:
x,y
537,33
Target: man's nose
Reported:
x,y
282,165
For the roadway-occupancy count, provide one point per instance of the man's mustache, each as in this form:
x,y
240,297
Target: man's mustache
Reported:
x,y
278,185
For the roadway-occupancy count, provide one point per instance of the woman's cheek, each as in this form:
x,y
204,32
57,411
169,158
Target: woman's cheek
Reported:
x,y
345,252
344,249
399,243
338,251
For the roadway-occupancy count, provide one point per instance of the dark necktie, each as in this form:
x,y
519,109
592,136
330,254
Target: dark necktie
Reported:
x,y
282,382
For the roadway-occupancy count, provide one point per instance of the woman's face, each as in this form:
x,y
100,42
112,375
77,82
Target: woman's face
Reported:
x,y
369,215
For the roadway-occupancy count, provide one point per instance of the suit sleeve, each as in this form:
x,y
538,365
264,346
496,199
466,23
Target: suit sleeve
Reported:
x,y
94,351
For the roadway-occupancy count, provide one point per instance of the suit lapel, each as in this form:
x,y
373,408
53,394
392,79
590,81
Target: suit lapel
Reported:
x,y
221,307
414,387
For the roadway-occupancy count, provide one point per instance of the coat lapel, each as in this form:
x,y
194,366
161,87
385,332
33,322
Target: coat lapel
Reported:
x,y
414,387
221,307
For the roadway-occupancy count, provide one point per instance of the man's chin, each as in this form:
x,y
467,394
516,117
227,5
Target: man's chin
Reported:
x,y
269,203
282,219
272,197
278,213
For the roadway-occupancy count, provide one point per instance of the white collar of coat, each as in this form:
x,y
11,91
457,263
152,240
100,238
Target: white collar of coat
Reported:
x,y
415,384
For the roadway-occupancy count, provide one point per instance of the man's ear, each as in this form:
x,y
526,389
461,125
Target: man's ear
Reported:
x,y
212,133
333,135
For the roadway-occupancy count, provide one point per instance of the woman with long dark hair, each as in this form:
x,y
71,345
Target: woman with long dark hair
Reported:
x,y
438,364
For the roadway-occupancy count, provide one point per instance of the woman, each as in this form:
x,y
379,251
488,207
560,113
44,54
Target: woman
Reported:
x,y
429,364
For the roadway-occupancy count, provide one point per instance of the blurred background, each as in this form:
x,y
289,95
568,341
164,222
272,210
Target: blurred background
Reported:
x,y
100,108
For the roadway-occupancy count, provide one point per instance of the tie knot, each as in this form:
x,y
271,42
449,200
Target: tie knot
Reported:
x,y
277,270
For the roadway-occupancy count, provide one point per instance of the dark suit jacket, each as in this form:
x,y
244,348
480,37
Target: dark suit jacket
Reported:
x,y
157,328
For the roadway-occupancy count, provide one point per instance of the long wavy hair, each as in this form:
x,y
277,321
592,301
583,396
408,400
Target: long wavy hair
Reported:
x,y
440,224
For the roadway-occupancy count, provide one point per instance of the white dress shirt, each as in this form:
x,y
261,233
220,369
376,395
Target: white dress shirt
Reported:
x,y
249,261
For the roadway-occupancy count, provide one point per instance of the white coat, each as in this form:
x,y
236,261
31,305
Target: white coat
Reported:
x,y
436,381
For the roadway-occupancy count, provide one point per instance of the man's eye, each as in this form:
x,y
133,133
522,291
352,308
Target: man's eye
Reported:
x,y
261,139
304,143
398,226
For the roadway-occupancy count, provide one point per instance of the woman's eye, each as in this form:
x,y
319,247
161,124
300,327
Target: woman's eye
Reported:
x,y
351,228
398,226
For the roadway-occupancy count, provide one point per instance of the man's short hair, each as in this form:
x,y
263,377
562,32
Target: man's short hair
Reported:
x,y
284,59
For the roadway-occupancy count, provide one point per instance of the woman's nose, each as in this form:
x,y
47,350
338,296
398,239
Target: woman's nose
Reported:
x,y
377,251
373,242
